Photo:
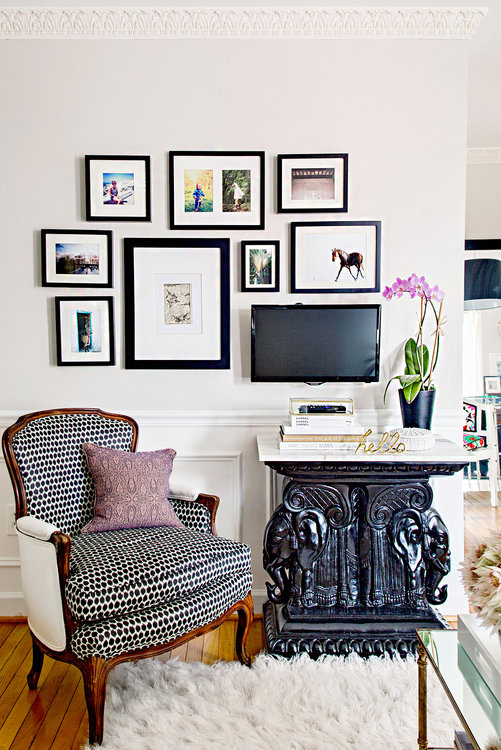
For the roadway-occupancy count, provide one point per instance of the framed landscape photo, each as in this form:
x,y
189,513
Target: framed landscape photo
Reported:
x,y
216,189
260,266
335,256
85,331
117,188
312,183
177,303
76,258
492,385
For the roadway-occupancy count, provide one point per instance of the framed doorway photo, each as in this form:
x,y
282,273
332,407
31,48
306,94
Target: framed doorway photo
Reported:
x,y
492,385
312,183
260,266
117,188
216,189
85,331
335,256
177,303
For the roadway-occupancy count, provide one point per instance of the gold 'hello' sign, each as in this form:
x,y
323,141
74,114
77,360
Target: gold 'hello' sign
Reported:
x,y
388,443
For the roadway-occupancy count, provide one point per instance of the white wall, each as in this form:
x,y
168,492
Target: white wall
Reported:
x,y
398,107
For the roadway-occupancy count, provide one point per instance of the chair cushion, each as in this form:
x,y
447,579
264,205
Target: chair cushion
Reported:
x,y
160,624
121,571
131,488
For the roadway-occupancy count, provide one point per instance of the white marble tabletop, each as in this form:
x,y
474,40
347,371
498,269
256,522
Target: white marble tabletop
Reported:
x,y
443,451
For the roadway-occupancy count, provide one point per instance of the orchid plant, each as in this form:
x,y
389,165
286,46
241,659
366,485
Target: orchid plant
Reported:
x,y
419,366
481,573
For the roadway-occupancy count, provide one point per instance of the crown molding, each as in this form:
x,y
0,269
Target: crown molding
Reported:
x,y
490,155
285,22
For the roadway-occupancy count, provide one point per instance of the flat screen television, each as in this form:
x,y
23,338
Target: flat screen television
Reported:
x,y
315,343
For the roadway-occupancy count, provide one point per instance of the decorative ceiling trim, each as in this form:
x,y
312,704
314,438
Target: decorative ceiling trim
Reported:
x,y
490,155
229,22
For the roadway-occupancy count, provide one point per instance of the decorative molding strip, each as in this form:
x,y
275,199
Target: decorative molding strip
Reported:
x,y
231,22
491,155
10,562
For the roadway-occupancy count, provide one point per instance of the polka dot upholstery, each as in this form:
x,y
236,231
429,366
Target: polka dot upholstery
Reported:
x,y
120,571
160,624
58,485
192,515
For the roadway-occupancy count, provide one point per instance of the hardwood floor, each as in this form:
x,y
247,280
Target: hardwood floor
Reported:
x,y
54,716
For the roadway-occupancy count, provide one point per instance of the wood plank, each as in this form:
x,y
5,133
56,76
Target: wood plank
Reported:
x,y
41,705
211,647
195,649
5,629
70,725
82,734
255,640
13,663
22,706
227,632
54,715
10,643
179,652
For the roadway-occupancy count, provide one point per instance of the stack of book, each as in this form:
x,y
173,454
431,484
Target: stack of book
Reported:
x,y
320,425
462,741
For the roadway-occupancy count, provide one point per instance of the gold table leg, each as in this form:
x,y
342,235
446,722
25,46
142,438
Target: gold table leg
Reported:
x,y
422,698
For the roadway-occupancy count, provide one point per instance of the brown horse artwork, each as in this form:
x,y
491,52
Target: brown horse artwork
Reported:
x,y
347,260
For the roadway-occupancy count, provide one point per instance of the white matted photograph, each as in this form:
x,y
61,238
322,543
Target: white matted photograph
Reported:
x,y
216,189
335,256
77,257
309,183
260,266
176,317
117,188
84,330
492,385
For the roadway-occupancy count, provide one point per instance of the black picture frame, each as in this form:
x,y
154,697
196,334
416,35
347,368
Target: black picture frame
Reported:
x,y
93,185
296,247
220,278
80,359
174,214
337,206
49,269
245,285
470,417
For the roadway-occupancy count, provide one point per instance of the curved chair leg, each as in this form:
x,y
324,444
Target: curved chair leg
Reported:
x,y
95,672
36,666
245,618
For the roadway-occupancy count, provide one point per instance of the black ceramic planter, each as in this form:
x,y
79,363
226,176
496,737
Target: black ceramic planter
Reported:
x,y
420,412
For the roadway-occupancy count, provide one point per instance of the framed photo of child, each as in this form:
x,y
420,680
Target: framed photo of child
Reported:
x,y
117,188
216,189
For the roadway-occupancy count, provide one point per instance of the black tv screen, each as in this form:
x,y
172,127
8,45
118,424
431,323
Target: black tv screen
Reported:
x,y
315,343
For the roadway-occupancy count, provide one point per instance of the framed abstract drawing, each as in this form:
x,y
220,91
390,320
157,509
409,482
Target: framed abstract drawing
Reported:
x,y
260,266
216,189
76,258
177,303
84,331
312,183
335,256
117,188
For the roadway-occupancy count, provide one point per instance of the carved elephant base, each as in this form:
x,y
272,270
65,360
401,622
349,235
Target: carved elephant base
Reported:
x,y
367,634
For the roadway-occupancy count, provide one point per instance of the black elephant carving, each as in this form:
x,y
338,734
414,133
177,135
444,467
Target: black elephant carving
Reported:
x,y
407,537
436,555
292,544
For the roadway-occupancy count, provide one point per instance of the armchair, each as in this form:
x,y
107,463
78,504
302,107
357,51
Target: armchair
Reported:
x,y
98,599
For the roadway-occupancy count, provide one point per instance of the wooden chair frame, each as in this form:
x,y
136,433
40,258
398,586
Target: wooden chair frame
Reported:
x,y
95,669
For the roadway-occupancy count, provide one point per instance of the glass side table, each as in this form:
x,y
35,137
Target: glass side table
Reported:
x,y
473,703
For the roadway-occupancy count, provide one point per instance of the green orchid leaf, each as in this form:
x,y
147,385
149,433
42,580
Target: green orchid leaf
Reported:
x,y
424,355
396,377
411,360
412,390
406,380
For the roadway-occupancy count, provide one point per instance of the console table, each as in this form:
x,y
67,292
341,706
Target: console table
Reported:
x,y
356,552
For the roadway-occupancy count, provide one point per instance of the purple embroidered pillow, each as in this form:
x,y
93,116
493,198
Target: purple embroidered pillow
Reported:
x,y
132,489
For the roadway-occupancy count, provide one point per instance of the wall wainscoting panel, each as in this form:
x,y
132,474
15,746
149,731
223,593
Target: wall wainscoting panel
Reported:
x,y
236,22
486,155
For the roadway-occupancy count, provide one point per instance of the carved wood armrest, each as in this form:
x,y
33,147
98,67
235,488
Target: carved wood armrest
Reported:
x,y
62,543
211,502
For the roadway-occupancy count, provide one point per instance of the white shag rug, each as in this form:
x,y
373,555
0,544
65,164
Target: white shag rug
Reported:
x,y
278,704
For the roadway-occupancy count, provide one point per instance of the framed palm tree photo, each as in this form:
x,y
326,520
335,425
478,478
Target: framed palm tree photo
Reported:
x,y
260,266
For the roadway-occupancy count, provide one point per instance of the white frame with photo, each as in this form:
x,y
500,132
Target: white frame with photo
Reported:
x,y
313,269
203,341
67,333
51,238
314,163
217,161
96,166
492,385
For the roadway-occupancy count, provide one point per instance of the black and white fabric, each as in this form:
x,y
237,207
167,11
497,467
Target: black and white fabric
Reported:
x,y
57,482
192,514
115,572
160,624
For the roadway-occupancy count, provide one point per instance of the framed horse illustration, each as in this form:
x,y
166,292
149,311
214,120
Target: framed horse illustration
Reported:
x,y
335,256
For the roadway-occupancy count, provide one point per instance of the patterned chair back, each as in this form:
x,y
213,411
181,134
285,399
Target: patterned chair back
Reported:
x,y
48,467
